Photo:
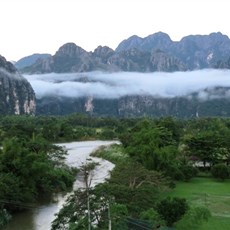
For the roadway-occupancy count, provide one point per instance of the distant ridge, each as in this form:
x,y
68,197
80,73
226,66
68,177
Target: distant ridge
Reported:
x,y
30,60
156,52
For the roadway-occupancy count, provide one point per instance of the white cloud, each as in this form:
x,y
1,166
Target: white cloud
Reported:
x,y
115,85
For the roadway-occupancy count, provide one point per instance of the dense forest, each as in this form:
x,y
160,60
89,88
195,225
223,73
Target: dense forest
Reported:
x,y
154,156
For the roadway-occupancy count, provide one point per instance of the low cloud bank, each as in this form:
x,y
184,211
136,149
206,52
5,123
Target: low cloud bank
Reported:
x,y
115,85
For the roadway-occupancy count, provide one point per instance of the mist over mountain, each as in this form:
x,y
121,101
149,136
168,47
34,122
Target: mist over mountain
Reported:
x,y
116,85
124,94
156,52
152,76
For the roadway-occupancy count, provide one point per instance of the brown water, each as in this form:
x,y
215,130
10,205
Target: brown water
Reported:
x,y
40,217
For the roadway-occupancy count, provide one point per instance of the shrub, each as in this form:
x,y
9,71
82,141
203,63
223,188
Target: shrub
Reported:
x,y
189,172
4,217
183,172
220,171
193,218
172,209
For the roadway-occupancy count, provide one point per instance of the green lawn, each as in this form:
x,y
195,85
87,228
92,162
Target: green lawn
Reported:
x,y
216,223
215,195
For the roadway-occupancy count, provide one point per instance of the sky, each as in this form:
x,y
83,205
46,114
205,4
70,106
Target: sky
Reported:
x,y
116,85
42,26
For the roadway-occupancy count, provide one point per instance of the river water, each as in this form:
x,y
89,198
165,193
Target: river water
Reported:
x,y
40,216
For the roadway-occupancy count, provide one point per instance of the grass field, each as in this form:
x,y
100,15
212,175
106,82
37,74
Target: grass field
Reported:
x,y
213,194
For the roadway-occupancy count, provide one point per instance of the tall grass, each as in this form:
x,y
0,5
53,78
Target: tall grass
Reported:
x,y
113,153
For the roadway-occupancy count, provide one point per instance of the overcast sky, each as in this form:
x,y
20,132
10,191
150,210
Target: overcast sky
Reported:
x,y
42,26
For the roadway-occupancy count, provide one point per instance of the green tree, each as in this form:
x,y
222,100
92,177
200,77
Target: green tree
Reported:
x,y
220,171
134,175
203,146
29,168
172,209
102,210
208,139
130,182
150,145
172,125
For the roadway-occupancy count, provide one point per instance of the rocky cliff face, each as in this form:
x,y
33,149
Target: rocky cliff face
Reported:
x,y
195,51
160,61
223,64
72,58
16,93
216,103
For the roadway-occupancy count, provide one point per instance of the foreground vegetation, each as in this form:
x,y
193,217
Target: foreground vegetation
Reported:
x,y
28,170
157,157
208,192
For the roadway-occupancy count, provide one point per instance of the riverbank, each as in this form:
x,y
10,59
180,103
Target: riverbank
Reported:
x,y
40,217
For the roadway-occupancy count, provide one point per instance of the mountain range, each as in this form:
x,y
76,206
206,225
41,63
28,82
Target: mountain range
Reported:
x,y
156,52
